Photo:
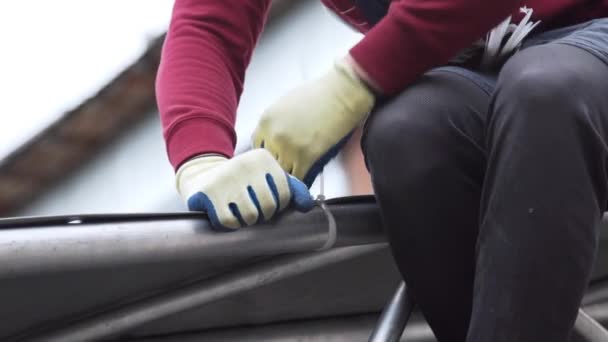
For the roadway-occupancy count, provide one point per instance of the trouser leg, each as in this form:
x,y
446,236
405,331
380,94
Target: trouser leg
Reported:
x,y
543,195
425,153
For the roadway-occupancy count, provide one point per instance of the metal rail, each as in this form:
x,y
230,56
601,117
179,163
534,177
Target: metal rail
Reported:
x,y
98,244
394,318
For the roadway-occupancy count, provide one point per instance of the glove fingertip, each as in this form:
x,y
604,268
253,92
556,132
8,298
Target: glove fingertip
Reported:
x,y
197,202
201,202
301,197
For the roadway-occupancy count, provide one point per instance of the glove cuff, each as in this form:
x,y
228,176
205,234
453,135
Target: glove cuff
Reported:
x,y
365,97
343,65
195,165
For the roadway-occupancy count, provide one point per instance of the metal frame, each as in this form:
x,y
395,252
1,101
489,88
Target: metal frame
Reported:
x,y
395,316
75,243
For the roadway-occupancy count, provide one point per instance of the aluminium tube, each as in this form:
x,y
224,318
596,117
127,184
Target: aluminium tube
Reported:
x,y
89,245
394,317
131,316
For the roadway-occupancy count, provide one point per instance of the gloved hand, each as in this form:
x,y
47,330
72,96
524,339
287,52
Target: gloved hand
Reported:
x,y
305,128
241,191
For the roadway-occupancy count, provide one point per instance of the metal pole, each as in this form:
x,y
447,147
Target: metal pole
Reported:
x,y
110,243
394,317
132,316
588,329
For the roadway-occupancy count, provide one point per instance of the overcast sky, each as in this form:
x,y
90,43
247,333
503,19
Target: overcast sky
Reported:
x,y
54,54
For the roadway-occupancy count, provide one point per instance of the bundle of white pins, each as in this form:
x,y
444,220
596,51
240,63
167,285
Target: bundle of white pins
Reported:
x,y
495,51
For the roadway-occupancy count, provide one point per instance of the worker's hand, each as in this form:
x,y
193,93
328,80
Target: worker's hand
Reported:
x,y
241,191
305,128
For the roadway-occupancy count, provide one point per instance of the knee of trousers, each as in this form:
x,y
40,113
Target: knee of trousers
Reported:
x,y
535,92
417,137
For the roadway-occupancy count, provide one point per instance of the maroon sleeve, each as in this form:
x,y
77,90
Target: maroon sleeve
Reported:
x,y
200,78
416,36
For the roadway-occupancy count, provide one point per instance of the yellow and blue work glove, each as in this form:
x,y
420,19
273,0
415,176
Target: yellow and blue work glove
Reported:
x,y
308,126
247,189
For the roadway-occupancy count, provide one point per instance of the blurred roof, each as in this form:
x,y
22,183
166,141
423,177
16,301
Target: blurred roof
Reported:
x,y
79,133
57,61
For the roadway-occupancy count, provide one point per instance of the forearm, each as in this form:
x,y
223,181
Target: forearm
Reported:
x,y
416,36
200,78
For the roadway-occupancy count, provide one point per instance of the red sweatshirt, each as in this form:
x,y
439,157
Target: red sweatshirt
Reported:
x,y
209,45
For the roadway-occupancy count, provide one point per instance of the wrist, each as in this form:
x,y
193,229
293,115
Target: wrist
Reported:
x,y
195,166
205,155
361,75
354,91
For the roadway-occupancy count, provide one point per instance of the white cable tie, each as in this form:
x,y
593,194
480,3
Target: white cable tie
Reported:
x,y
322,186
332,230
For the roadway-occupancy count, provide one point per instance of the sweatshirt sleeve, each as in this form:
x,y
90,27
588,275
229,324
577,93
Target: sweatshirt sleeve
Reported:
x,y
200,78
416,36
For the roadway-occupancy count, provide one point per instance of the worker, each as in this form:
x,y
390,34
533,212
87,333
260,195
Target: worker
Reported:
x,y
487,144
